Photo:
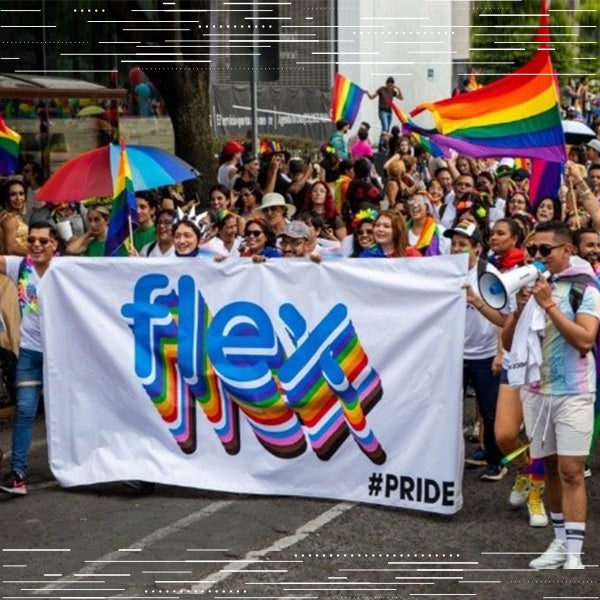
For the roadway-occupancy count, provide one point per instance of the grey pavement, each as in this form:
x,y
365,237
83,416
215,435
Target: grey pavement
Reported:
x,y
108,541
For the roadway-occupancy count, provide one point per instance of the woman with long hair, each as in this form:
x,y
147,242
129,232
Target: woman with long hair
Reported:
x,y
320,200
13,229
259,240
391,239
425,234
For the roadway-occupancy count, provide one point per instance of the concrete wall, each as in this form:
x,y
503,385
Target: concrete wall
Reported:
x,y
412,41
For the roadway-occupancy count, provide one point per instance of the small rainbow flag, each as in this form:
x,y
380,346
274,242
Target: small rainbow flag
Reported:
x,y
9,149
345,99
270,147
123,213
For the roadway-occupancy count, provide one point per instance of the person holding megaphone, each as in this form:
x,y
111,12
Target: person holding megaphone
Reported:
x,y
481,369
558,407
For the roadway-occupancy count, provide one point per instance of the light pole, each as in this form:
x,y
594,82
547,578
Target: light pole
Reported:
x,y
254,78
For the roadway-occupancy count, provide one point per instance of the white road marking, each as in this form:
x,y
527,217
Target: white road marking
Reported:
x,y
147,541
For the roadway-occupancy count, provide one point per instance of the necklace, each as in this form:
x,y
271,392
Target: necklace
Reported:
x,y
26,289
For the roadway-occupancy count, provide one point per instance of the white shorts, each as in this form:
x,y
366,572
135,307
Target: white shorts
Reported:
x,y
559,424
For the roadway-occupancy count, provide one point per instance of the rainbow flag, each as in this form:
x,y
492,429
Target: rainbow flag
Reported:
x,y
516,115
345,99
417,133
123,213
9,149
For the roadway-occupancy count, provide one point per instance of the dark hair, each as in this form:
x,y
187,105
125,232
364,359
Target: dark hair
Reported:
x,y
514,228
166,211
341,123
253,188
390,80
439,170
150,197
266,229
310,217
558,228
345,165
593,167
555,207
363,134
36,170
219,187
580,232
223,216
579,153
43,225
6,185
362,168
511,196
191,225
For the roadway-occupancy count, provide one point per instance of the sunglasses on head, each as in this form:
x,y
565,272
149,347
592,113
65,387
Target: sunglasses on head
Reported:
x,y
42,241
544,249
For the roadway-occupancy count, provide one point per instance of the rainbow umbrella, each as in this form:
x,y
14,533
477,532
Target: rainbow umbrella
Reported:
x,y
92,174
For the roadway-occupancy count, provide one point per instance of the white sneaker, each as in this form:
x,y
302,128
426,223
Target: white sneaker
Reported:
x,y
573,562
535,506
520,491
553,558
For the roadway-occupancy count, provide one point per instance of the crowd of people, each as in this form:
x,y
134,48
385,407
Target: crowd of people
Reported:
x,y
275,205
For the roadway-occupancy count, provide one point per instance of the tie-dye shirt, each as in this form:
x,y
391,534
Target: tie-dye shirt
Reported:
x,y
564,371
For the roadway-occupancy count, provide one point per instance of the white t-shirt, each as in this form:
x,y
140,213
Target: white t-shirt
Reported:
x,y
153,249
225,175
31,335
481,336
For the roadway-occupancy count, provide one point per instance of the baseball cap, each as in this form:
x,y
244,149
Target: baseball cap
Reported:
x,y
520,175
232,147
466,229
296,230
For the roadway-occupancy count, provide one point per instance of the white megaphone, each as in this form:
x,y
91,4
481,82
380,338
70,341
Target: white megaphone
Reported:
x,y
495,290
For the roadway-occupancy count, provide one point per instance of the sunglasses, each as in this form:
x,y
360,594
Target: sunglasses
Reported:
x,y
364,232
42,241
544,249
254,233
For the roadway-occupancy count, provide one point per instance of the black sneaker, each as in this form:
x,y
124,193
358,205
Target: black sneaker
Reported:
x,y
477,458
142,487
15,484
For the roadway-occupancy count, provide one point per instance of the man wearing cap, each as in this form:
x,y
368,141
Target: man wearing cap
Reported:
x,y
249,172
294,240
275,211
481,361
521,178
228,162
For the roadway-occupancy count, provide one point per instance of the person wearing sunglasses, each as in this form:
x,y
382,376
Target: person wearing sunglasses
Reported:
x,y
259,241
558,408
27,273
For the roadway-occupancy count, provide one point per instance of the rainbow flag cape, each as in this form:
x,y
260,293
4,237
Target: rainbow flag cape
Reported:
x,y
123,213
9,149
345,99
417,133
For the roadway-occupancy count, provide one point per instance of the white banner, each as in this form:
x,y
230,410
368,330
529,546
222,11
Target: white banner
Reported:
x,y
334,380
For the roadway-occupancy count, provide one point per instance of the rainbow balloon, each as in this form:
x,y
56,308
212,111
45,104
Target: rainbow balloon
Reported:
x,y
9,149
345,99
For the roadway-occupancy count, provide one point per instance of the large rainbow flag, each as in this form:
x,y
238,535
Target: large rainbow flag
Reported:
x,y
9,149
516,115
345,99
123,213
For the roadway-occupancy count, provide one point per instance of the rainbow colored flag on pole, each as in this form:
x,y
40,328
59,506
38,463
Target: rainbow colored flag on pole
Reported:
x,y
345,99
123,213
516,115
9,149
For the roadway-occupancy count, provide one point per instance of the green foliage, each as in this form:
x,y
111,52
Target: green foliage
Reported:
x,y
518,34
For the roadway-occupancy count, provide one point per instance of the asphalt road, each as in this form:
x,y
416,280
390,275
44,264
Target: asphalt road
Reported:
x,y
108,541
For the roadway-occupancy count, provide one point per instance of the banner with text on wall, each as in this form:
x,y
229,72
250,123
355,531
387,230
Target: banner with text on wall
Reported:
x,y
338,380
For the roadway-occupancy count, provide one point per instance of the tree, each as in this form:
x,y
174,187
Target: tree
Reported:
x,y
499,31
589,35
184,87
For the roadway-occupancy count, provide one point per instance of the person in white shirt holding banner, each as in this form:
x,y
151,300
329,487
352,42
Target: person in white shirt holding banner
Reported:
x,y
27,273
